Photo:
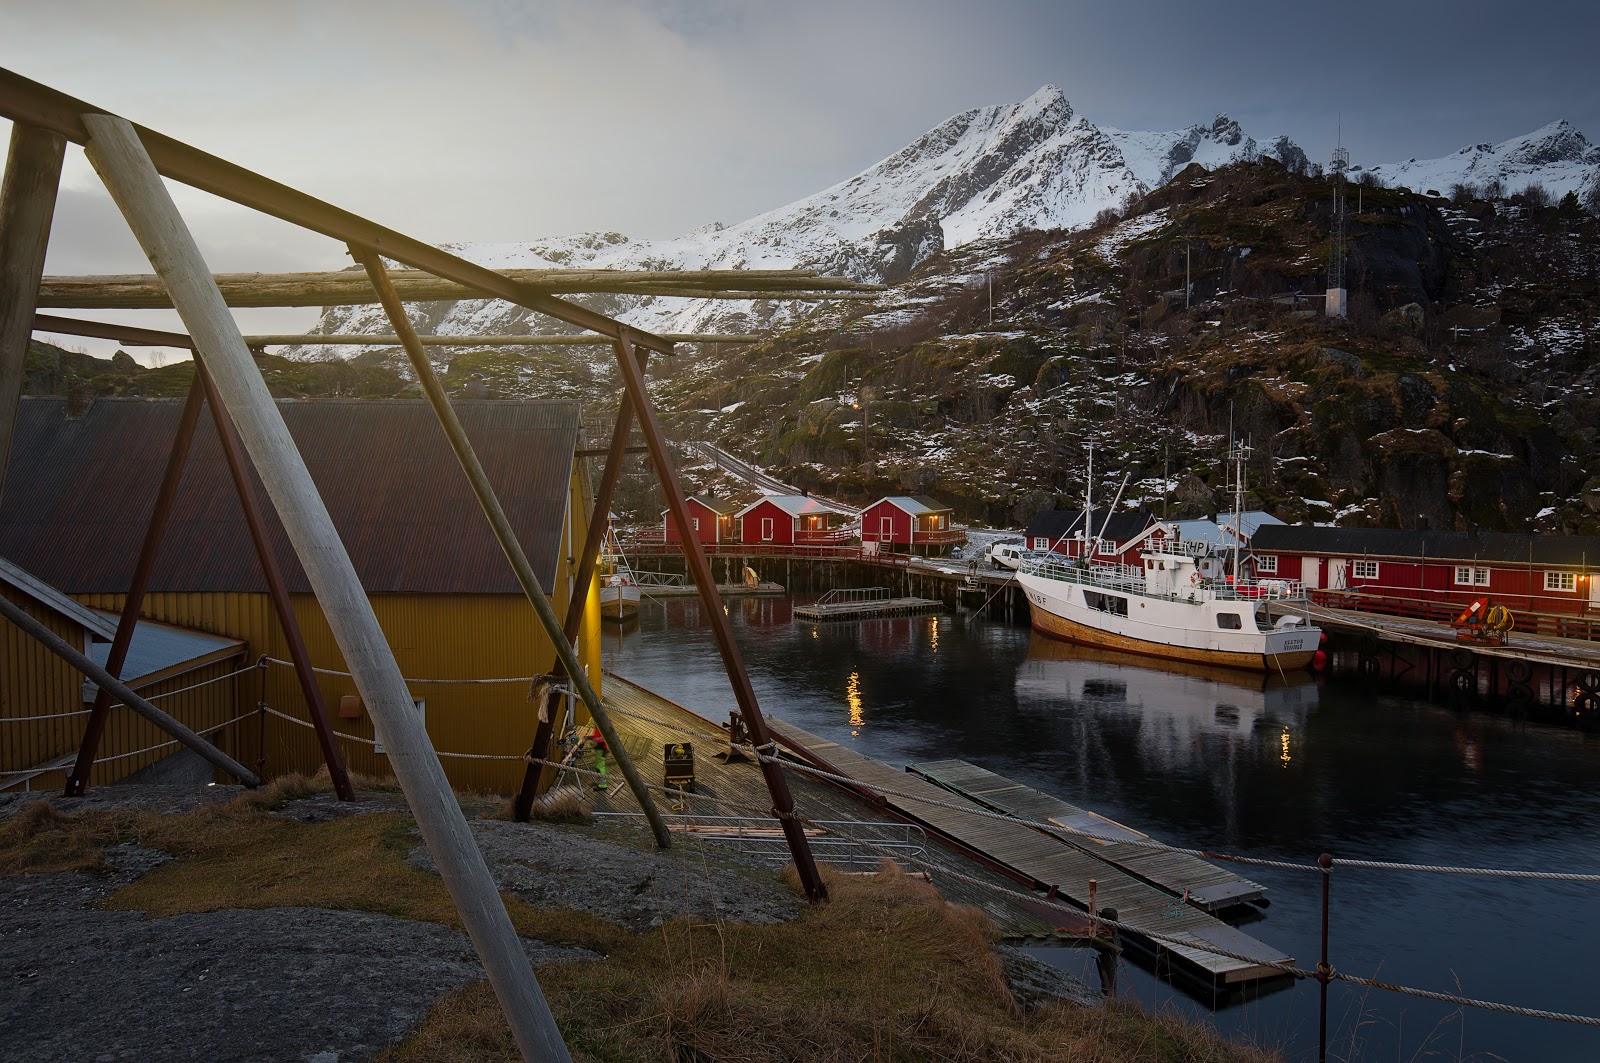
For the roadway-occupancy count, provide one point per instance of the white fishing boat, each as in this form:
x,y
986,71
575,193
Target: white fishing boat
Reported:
x,y
1170,606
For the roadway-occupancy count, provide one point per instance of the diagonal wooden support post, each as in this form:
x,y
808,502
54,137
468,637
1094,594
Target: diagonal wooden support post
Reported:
x,y
177,458
27,205
533,779
117,154
507,536
700,569
277,590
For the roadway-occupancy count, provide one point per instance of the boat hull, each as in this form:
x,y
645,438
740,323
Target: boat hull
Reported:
x,y
1185,637
619,603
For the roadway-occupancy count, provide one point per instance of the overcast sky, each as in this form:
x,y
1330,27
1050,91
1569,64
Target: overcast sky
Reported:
x,y
508,119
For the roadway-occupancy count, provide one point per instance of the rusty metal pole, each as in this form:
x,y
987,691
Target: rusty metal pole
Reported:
x,y
700,569
506,535
27,205
177,458
532,778
277,589
1324,969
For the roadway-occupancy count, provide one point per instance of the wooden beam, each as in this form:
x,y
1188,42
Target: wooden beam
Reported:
x,y
27,205
140,291
587,339
25,101
117,154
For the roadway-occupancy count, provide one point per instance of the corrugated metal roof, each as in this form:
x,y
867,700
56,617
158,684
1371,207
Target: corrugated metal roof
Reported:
x,y
794,505
916,505
1124,524
1562,550
161,650
79,494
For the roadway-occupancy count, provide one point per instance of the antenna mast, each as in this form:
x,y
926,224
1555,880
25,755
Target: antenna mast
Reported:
x,y
1335,304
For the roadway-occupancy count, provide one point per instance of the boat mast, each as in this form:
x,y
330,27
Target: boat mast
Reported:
x,y
1088,488
1238,504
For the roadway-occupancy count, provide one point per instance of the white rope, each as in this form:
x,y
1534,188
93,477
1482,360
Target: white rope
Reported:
x,y
118,704
462,682
173,742
371,742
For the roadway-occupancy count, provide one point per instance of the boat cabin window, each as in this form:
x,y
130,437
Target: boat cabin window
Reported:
x,y
1229,621
1106,603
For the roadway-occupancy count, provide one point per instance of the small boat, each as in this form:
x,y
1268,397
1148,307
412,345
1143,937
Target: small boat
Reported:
x,y
619,594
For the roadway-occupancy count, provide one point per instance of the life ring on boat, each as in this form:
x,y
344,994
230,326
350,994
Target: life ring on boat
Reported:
x,y
1194,579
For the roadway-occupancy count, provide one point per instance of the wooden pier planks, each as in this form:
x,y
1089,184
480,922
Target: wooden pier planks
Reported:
x,y
1208,887
872,610
649,721
1050,863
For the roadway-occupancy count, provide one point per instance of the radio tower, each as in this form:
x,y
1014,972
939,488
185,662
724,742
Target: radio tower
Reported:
x,y
1335,304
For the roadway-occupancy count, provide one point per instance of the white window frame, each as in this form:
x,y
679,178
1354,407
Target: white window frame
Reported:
x,y
1561,581
766,529
1363,569
1472,576
696,522
1267,563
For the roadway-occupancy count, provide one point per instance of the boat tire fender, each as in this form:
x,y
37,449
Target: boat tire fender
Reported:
x,y
1519,671
1589,681
1461,658
1463,682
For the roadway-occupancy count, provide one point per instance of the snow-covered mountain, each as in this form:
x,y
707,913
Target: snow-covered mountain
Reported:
x,y
1558,157
984,173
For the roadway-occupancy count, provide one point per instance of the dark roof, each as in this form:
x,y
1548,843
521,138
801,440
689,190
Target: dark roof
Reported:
x,y
1566,550
721,507
79,494
1124,524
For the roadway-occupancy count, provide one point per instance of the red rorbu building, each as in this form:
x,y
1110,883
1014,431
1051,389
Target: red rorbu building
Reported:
x,y
1423,572
1119,536
712,519
910,523
790,520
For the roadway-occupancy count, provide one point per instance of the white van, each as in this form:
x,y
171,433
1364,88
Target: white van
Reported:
x,y
1006,555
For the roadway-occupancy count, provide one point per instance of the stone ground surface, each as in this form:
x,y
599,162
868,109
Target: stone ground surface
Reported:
x,y
83,984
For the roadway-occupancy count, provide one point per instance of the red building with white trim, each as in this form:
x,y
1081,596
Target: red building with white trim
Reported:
x,y
911,524
1392,570
712,519
791,520
1119,536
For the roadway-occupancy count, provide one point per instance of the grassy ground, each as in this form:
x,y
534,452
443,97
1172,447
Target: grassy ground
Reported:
x,y
887,970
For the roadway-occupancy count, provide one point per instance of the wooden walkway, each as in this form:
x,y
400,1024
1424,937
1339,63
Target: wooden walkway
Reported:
x,y
737,791
1553,650
868,610
1204,885
1067,869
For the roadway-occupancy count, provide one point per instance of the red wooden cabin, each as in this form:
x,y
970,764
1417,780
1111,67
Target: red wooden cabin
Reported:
x,y
911,524
791,520
1425,572
712,519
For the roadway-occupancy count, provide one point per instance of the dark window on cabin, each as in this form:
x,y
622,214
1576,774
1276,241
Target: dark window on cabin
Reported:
x,y
1106,603
1229,621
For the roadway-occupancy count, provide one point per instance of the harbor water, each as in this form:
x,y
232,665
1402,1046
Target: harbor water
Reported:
x,y
1284,769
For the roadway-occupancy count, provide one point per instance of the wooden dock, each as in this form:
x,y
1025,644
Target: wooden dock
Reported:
x,y
1204,885
1553,650
875,609
1062,868
649,721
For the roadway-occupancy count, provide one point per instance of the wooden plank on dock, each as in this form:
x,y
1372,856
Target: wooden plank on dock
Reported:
x,y
1203,884
1049,863
869,610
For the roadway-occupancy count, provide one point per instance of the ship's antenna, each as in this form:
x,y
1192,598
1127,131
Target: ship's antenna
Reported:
x,y
1088,502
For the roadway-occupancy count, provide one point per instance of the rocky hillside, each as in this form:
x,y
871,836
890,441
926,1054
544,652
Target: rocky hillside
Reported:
x,y
1462,389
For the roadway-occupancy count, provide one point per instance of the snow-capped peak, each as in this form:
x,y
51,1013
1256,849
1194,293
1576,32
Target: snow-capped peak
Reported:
x,y
1556,156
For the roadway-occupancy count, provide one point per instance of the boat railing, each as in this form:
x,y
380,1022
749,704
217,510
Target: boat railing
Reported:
x,y
1130,578
841,595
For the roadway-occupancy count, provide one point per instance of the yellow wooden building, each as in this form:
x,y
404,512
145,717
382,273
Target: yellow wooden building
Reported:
x,y
78,498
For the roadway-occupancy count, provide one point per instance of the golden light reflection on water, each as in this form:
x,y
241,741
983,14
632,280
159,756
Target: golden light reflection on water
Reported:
x,y
933,634
852,697
1285,758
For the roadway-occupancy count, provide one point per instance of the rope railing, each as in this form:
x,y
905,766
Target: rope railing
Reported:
x,y
118,704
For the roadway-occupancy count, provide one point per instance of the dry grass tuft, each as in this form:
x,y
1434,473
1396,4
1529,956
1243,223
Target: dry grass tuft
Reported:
x,y
42,840
564,804
886,970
